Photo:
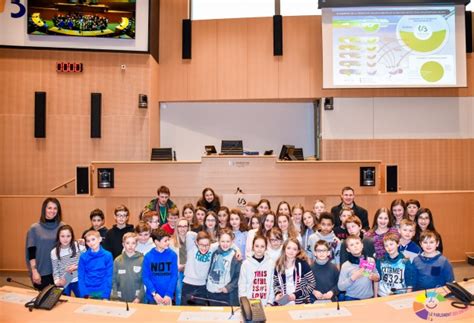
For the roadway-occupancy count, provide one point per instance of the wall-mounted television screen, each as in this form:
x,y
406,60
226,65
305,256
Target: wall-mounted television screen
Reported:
x,y
80,18
117,25
394,46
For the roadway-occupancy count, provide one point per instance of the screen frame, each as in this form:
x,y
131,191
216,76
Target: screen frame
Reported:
x,y
147,50
328,62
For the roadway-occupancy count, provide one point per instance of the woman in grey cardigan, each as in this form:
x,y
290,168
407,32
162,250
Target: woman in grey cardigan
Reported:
x,y
40,240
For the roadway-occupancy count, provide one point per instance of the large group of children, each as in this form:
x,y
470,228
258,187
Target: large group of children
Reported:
x,y
210,254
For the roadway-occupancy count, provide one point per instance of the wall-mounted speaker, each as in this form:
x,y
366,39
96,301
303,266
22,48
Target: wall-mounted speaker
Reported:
x,y
40,114
187,36
468,23
82,180
96,111
391,178
277,35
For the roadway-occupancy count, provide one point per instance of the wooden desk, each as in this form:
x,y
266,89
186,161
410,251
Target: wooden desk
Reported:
x,y
254,174
373,310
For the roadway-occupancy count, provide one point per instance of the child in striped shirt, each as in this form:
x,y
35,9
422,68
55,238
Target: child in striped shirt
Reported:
x,y
65,257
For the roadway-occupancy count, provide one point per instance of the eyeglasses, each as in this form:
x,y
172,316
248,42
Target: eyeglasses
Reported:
x,y
321,250
121,215
204,245
182,226
275,240
211,220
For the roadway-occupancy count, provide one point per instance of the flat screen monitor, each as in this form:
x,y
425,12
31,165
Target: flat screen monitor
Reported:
x,y
394,46
284,152
114,25
165,154
232,147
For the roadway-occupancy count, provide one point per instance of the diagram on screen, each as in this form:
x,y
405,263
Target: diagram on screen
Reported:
x,y
394,45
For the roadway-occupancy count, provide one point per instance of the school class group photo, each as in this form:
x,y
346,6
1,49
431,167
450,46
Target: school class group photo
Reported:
x,y
207,254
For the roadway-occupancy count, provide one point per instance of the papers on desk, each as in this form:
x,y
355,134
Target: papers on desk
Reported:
x,y
105,311
208,316
401,304
15,298
470,288
319,313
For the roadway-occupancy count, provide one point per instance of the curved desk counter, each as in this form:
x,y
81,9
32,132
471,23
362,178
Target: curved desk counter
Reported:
x,y
255,174
399,308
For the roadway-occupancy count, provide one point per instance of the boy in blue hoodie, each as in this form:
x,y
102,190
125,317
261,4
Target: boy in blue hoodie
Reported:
x,y
160,270
395,271
95,269
432,269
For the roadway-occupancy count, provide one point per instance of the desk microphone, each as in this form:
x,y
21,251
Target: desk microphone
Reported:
x,y
213,300
10,280
394,290
126,303
468,278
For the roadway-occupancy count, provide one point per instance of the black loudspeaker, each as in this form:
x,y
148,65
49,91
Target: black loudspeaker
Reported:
x,y
468,31
82,180
187,33
40,114
96,111
277,35
392,178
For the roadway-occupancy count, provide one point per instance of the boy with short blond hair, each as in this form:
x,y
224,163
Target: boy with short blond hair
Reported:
x,y
409,248
127,283
358,273
395,271
95,269
431,268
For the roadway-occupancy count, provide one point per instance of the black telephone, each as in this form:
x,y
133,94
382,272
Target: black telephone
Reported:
x,y
46,299
252,310
465,297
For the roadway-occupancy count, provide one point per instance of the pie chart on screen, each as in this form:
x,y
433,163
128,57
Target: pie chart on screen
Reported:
x,y
423,34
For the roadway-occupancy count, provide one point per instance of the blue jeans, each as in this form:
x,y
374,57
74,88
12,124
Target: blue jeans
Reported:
x,y
348,298
179,288
72,287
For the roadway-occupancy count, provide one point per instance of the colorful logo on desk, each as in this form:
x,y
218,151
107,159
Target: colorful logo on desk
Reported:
x,y
367,265
425,307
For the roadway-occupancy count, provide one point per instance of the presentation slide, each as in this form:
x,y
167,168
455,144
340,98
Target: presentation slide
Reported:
x,y
394,47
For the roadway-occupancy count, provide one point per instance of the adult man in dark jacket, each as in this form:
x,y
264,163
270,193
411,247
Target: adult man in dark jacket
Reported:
x,y
347,200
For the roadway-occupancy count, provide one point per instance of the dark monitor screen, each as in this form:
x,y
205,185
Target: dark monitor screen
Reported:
x,y
161,154
232,147
285,149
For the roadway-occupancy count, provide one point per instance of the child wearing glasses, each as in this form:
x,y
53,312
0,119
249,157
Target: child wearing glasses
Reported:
x,y
325,273
113,238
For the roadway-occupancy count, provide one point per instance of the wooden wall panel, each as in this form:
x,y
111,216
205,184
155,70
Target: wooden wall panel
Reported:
x,y
294,65
34,166
452,212
262,66
299,70
202,77
232,59
434,164
173,80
